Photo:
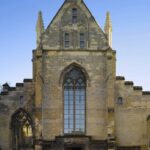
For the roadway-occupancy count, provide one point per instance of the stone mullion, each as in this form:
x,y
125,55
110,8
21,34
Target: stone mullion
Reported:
x,y
74,107
69,108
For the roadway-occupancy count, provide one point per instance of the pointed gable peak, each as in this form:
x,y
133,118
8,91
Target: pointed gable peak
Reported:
x,y
73,0
74,21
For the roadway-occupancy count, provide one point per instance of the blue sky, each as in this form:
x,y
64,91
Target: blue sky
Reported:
x,y
131,35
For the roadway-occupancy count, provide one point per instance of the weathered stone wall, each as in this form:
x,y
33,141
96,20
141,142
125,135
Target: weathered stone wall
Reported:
x,y
38,83
9,104
53,38
108,118
96,105
131,115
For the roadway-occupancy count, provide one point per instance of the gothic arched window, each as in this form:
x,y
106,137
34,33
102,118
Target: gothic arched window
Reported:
x,y
22,130
74,102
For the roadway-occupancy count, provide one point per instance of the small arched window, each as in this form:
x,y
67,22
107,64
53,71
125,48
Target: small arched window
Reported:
x,y
74,102
22,130
74,15
120,101
67,40
82,40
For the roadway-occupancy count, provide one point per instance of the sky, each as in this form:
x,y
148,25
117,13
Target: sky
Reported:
x,y
131,36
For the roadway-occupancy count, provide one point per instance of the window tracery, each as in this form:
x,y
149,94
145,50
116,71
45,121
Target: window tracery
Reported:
x,y
22,130
74,102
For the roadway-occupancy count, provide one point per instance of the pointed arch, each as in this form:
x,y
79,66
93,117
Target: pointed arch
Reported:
x,y
21,129
19,111
74,96
70,67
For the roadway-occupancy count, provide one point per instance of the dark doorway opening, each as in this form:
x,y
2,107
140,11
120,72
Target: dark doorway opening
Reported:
x,y
74,148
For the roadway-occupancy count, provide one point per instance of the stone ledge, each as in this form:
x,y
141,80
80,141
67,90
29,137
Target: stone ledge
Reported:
x,y
73,136
61,142
12,89
120,78
128,148
128,83
78,50
137,88
27,80
19,84
146,93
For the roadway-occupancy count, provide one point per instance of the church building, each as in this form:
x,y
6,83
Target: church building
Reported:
x,y
74,101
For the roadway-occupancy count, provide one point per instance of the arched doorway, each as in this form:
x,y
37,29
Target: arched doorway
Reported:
x,y
22,130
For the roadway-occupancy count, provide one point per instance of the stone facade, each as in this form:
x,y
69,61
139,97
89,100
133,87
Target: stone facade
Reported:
x,y
116,111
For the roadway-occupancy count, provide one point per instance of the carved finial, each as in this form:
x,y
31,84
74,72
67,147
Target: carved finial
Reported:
x,y
39,28
108,28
